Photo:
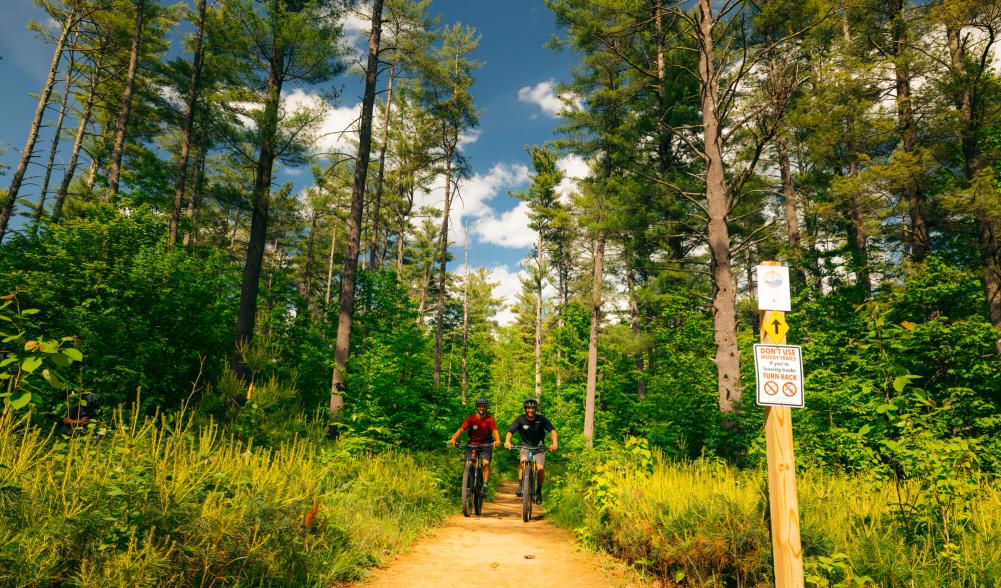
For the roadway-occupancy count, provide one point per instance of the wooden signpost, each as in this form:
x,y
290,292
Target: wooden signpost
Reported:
x,y
776,381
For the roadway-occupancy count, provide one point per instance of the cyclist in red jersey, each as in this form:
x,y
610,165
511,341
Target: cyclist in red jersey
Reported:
x,y
481,427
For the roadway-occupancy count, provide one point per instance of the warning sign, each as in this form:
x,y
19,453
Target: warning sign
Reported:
x,y
779,373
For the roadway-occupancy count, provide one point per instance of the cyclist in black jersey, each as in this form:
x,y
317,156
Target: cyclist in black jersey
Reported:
x,y
532,428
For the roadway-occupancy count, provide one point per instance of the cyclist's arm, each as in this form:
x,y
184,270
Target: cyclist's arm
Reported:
x,y
507,440
555,445
496,437
458,432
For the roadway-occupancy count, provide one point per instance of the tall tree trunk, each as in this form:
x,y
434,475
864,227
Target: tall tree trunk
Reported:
x,y
381,174
592,345
791,212
858,240
665,155
307,275
36,123
345,317
465,321
330,260
81,133
121,128
718,206
442,267
918,240
247,314
538,317
987,230
191,235
56,137
634,328
189,118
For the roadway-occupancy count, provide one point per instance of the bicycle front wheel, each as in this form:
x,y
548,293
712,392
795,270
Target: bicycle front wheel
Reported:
x,y
467,490
479,491
527,486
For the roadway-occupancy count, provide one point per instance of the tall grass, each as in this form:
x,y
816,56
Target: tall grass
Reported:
x,y
147,503
705,524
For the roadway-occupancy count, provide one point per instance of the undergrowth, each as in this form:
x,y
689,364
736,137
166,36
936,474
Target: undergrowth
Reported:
x,y
147,501
704,523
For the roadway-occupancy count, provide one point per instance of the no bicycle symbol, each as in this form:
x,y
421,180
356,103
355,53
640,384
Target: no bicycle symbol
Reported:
x,y
779,368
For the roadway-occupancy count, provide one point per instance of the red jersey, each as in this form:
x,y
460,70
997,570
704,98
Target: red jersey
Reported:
x,y
480,429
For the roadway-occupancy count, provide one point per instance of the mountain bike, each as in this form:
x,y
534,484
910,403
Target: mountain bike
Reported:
x,y
472,481
528,479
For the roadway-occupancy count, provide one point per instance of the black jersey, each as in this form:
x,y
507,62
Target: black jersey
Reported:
x,y
532,432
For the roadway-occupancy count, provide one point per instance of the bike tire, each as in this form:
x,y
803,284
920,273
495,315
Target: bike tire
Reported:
x,y
467,494
527,485
479,490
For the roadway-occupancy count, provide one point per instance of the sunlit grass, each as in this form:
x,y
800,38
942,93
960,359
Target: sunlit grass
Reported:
x,y
148,503
705,523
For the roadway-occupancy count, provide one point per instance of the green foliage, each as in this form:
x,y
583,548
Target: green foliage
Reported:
x,y
143,502
147,320
24,360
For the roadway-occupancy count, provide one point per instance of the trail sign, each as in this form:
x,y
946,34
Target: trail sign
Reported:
x,y
773,288
775,326
779,374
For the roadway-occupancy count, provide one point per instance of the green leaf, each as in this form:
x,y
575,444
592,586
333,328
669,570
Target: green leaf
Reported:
x,y
864,430
73,353
52,378
8,361
29,311
49,347
901,382
61,360
21,401
31,364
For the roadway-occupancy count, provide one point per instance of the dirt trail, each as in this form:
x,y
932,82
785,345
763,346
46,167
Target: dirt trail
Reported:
x,y
491,550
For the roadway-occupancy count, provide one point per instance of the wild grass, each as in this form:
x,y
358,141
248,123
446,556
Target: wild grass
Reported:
x,y
144,502
704,523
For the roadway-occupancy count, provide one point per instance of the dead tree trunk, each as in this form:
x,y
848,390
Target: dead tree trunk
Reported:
x,y
718,203
56,137
81,133
29,146
189,118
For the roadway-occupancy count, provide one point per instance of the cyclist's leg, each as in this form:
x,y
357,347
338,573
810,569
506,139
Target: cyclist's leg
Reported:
x,y
487,454
540,472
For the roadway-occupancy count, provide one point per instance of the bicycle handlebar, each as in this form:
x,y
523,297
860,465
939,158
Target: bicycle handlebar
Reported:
x,y
541,448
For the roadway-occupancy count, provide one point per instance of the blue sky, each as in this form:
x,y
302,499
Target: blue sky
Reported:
x,y
512,91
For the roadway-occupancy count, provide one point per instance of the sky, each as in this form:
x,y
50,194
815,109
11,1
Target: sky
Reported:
x,y
513,92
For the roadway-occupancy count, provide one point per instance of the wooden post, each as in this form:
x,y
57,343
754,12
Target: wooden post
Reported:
x,y
783,502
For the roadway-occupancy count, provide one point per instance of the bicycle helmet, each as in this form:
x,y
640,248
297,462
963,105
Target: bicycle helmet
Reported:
x,y
483,401
531,402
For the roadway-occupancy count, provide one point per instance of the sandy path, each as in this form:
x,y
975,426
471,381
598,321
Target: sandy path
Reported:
x,y
490,551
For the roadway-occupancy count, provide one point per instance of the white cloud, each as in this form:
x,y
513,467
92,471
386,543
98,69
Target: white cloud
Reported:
x,y
475,194
338,125
468,137
509,229
544,95
506,289
574,168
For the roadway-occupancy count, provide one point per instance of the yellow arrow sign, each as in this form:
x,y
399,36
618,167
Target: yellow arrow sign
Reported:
x,y
775,326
